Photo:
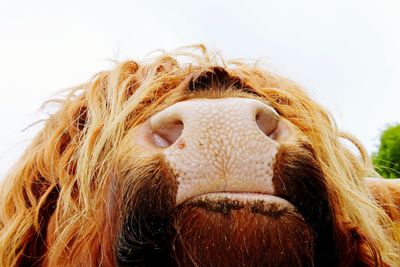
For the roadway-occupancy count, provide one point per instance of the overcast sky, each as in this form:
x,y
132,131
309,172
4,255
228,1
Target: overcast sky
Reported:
x,y
345,53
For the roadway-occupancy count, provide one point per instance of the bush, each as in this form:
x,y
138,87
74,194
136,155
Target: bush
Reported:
x,y
387,159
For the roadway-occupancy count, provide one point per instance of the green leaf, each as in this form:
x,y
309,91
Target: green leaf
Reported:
x,y
387,159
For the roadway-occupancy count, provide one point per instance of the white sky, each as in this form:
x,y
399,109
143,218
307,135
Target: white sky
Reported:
x,y
345,53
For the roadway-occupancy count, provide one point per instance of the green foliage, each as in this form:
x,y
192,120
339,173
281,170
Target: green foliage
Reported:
x,y
387,160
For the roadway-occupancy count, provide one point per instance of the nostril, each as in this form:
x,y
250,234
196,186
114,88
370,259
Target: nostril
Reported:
x,y
159,140
267,121
165,134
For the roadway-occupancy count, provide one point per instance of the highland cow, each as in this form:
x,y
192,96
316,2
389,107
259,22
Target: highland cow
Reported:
x,y
185,159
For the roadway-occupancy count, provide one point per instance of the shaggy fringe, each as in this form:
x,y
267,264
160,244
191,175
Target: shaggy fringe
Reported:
x,y
66,169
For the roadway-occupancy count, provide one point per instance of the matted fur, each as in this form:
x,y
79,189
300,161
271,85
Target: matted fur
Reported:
x,y
60,202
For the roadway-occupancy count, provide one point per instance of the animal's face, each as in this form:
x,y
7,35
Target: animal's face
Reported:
x,y
162,164
221,181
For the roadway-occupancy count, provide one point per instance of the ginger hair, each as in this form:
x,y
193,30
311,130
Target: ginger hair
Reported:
x,y
61,180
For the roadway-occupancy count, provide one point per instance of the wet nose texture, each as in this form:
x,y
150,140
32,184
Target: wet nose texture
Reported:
x,y
218,145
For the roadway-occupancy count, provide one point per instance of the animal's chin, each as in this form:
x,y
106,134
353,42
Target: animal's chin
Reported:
x,y
224,202
241,229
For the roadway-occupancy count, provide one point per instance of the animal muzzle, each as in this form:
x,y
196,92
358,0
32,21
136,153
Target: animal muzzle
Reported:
x,y
213,146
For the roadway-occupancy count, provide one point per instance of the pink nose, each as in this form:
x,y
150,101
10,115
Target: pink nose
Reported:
x,y
218,145
212,115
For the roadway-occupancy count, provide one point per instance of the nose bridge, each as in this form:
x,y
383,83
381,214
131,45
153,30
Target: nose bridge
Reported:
x,y
215,114
221,147
221,113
